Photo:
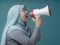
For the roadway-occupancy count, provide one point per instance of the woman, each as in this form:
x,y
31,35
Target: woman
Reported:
x,y
16,31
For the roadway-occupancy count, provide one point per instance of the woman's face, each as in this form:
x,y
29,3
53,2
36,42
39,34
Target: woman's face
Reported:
x,y
24,15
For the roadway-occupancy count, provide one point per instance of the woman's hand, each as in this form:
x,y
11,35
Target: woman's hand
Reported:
x,y
37,21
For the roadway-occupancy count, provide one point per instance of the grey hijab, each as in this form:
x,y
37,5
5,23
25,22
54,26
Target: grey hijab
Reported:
x,y
14,21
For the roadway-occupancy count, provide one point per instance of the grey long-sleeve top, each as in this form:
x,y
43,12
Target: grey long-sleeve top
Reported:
x,y
17,37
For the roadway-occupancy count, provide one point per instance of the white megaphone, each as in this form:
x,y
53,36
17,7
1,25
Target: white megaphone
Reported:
x,y
39,12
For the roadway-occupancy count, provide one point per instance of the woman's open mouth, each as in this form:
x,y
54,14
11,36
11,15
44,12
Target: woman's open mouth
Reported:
x,y
26,16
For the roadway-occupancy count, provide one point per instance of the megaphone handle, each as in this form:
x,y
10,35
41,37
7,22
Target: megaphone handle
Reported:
x,y
37,16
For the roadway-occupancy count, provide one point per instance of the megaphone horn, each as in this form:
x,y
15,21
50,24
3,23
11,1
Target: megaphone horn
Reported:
x,y
39,12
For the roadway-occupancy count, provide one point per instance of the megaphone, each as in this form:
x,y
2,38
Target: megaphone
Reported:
x,y
39,12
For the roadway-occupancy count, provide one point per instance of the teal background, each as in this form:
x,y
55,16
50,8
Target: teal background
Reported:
x,y
50,29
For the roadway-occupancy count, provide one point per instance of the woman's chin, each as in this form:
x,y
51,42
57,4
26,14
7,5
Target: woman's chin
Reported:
x,y
25,20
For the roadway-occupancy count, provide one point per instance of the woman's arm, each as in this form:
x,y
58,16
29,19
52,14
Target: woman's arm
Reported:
x,y
23,39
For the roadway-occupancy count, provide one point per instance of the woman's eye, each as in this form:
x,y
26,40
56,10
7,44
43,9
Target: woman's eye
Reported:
x,y
23,10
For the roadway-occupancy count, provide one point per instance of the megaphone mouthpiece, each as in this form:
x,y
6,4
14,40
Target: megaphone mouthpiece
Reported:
x,y
32,14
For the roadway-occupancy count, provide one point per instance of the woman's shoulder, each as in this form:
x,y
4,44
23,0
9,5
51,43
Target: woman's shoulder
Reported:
x,y
14,28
